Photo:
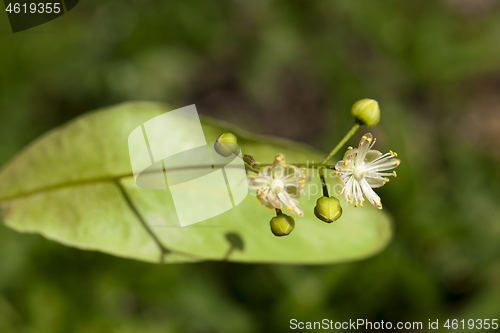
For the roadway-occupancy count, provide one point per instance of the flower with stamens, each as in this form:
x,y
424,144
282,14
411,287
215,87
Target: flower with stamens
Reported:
x,y
363,169
279,184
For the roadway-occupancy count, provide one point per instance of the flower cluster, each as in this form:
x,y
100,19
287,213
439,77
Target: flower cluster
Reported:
x,y
360,171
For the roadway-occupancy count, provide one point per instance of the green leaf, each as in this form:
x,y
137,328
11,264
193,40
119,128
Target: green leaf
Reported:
x,y
74,186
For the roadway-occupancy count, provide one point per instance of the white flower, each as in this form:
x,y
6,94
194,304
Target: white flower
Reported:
x,y
363,169
279,184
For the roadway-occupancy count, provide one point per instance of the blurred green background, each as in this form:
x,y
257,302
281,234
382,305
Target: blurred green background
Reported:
x,y
291,69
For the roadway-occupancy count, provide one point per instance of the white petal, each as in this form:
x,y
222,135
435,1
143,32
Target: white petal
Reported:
x,y
266,171
375,182
364,146
279,167
273,200
372,155
291,204
370,194
258,181
383,165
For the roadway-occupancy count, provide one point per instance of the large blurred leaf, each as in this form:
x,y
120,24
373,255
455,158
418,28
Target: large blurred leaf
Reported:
x,y
74,186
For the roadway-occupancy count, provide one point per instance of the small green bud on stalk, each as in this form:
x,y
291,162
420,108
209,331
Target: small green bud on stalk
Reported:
x,y
282,225
227,144
366,111
328,209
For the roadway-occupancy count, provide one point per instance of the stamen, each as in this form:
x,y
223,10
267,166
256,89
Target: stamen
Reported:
x,y
386,179
346,162
394,173
361,205
349,148
398,162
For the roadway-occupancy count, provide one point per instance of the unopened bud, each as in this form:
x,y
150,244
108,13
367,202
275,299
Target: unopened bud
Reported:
x,y
227,144
282,225
366,111
328,209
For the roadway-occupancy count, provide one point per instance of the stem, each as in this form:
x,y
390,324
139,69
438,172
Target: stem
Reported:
x,y
342,142
323,182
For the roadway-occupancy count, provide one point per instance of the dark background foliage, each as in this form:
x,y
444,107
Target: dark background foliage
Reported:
x,y
291,69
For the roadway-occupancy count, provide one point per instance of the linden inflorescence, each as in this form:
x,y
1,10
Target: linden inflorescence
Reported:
x,y
280,184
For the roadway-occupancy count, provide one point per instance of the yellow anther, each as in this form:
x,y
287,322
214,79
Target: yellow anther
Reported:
x,y
260,188
350,201
362,199
356,204
398,162
349,148
340,192
346,162
303,175
391,152
349,197
394,173
361,205
386,179
364,138
289,208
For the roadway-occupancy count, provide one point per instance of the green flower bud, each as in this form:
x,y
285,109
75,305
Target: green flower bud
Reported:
x,y
366,111
328,209
227,144
282,225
